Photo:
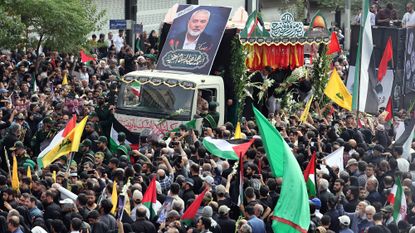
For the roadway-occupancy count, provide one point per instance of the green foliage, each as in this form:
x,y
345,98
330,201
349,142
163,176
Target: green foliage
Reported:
x,y
57,24
237,71
320,77
11,30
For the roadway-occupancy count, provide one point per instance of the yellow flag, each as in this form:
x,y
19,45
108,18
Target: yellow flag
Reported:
x,y
114,197
127,205
29,172
238,134
15,175
65,79
29,175
69,144
304,115
337,91
54,176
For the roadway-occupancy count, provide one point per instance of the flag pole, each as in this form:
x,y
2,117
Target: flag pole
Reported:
x,y
7,161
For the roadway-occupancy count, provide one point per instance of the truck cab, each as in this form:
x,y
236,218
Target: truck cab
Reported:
x,y
162,100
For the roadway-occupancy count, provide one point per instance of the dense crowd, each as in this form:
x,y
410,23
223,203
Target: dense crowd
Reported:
x,y
35,105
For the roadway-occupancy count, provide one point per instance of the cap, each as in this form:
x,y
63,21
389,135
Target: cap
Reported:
x,y
209,180
379,148
190,182
223,209
100,155
17,145
102,139
345,220
220,189
121,136
351,162
86,142
73,174
387,209
316,202
66,201
137,195
207,212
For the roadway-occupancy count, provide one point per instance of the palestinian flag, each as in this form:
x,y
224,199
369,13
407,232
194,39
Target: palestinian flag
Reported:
x,y
189,215
150,197
389,109
398,200
135,88
254,27
405,138
365,98
386,58
131,138
226,149
309,176
85,57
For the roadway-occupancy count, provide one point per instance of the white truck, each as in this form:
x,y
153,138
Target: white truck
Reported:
x,y
162,100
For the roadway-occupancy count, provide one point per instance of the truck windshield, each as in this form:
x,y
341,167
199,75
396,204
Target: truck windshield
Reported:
x,y
171,101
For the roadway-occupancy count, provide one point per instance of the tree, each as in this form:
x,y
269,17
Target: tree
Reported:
x,y
56,24
11,30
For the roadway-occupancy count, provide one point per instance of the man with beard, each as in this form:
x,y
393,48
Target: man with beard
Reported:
x,y
52,210
194,38
90,132
102,143
8,200
104,113
91,205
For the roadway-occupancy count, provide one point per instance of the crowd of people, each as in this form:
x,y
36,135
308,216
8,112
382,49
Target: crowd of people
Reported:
x,y
35,104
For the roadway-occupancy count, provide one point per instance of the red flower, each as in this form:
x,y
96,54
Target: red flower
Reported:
x,y
171,43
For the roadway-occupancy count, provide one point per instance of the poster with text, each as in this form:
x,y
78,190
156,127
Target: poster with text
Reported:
x,y
194,38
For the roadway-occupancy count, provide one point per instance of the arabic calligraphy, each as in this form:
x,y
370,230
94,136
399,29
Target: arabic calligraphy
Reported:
x,y
185,59
287,27
139,124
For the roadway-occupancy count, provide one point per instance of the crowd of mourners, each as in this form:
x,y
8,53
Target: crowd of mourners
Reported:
x,y
35,105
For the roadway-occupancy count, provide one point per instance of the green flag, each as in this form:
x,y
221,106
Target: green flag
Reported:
x,y
292,212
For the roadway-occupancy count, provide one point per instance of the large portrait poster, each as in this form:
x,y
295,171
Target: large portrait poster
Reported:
x,y
194,38
410,61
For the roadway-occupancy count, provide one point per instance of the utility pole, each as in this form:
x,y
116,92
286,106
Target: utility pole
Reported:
x,y
131,17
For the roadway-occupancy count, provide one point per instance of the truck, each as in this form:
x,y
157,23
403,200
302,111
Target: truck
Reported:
x,y
154,100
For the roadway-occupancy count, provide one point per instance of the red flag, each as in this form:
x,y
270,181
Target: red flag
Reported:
x,y
85,57
191,211
241,149
309,176
334,45
389,110
69,126
387,56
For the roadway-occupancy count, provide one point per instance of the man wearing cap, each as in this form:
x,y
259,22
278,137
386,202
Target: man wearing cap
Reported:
x,y
351,167
188,192
344,221
121,140
84,153
102,143
387,212
226,224
19,151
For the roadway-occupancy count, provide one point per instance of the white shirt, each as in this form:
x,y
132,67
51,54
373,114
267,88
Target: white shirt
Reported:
x,y
408,19
190,44
118,42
